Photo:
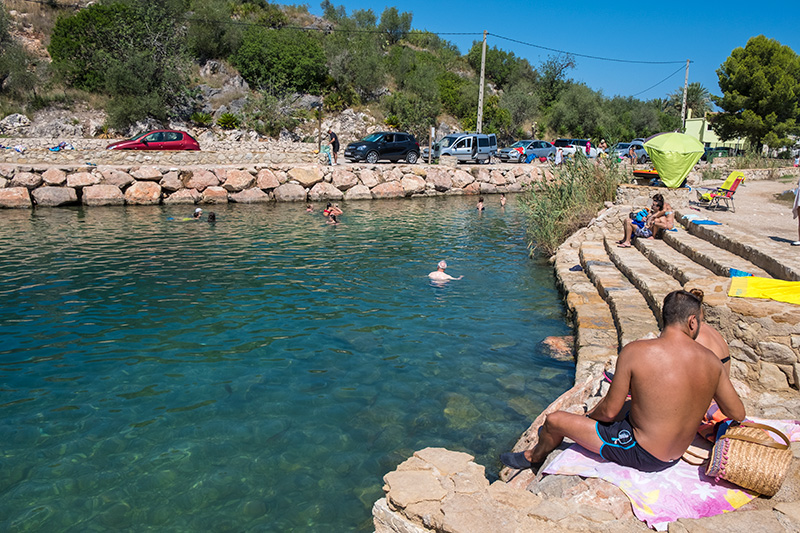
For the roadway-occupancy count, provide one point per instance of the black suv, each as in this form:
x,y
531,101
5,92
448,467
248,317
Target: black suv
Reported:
x,y
384,145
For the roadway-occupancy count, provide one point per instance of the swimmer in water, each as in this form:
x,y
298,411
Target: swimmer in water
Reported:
x,y
502,199
480,207
440,275
197,213
309,208
212,217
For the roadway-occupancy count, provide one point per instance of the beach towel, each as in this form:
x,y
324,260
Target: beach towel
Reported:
x,y
773,289
658,498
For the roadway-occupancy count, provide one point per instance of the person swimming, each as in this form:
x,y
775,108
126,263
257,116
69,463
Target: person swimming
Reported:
x,y
212,217
197,213
440,275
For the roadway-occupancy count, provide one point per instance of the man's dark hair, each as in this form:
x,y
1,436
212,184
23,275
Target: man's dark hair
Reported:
x,y
679,306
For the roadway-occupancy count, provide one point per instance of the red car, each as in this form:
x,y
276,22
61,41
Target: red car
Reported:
x,y
158,140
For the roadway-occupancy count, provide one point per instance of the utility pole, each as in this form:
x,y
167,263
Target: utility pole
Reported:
x,y
685,91
480,92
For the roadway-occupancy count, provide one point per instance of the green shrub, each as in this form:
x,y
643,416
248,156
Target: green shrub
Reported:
x,y
202,119
711,174
228,121
555,209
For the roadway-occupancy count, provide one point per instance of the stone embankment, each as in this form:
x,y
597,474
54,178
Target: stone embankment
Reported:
x,y
614,296
41,185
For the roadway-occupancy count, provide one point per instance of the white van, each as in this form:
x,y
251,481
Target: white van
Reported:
x,y
478,147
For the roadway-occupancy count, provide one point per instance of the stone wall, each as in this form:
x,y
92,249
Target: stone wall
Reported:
x,y
26,186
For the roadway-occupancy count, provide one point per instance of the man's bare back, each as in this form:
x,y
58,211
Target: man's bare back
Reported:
x,y
672,382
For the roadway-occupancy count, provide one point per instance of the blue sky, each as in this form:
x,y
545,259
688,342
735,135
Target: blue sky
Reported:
x,y
705,32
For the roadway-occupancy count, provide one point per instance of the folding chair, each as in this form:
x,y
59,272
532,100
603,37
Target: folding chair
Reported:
x,y
726,196
714,191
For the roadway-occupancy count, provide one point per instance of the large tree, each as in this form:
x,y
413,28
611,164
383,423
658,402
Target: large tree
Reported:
x,y
698,99
760,93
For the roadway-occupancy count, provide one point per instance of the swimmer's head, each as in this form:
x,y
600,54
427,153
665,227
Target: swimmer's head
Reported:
x,y
442,265
198,211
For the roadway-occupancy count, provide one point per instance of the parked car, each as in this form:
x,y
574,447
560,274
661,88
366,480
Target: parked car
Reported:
x,y
514,153
478,147
570,147
619,149
540,149
384,145
158,140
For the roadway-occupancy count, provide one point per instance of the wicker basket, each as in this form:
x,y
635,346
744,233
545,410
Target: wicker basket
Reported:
x,y
748,456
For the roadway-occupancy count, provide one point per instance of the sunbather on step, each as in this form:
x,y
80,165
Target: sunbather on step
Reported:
x,y
660,217
672,380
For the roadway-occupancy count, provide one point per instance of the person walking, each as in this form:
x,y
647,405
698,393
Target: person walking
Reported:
x,y
334,140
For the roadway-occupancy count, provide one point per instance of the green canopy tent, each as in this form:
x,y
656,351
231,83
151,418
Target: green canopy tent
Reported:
x,y
673,156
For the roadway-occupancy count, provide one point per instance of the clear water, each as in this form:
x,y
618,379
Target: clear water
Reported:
x,y
262,373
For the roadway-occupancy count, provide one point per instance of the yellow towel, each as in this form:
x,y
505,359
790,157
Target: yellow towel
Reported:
x,y
773,289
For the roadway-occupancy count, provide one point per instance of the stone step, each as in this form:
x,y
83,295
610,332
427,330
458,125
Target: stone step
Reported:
x,y
651,282
778,259
632,315
595,330
671,261
705,253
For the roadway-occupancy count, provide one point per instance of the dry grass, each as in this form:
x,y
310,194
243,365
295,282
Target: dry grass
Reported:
x,y
35,19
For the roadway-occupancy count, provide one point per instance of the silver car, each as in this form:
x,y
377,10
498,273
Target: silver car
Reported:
x,y
514,153
540,149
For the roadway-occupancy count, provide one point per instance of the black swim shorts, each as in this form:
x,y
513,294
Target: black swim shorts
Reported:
x,y
620,447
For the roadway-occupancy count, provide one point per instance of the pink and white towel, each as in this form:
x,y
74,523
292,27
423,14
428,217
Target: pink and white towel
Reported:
x,y
658,498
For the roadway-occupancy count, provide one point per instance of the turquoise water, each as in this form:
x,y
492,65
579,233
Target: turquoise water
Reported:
x,y
262,373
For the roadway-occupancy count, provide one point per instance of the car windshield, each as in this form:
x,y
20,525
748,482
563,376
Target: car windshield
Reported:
x,y
141,135
520,144
372,137
447,141
562,142
621,146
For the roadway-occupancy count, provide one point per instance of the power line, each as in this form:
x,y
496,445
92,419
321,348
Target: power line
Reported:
x,y
659,83
588,56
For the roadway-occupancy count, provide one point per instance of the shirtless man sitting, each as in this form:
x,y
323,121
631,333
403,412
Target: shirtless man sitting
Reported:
x,y
661,217
672,380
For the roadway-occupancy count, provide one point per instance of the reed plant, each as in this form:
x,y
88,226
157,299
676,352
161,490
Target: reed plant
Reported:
x,y
555,208
753,159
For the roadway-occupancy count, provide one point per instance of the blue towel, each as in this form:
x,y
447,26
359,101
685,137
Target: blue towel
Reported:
x,y
706,223
736,273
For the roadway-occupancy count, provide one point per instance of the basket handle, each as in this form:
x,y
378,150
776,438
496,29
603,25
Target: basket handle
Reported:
x,y
769,442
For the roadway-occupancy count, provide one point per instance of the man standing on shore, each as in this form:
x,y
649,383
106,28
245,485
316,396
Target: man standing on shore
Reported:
x,y
334,146
671,379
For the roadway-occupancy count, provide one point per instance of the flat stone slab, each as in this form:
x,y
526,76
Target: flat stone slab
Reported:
x,y
671,261
780,260
630,310
717,260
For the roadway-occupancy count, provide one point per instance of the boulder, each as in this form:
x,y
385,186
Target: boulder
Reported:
x,y
461,179
496,177
369,178
344,179
394,174
183,196
440,179
103,194
82,179
171,182
390,189
253,195
147,174
266,180
14,123
7,171
26,179
199,179
488,188
54,176
117,178
3,183
412,184
324,191
215,195
143,193
238,180
15,198
290,192
54,196
305,176
359,192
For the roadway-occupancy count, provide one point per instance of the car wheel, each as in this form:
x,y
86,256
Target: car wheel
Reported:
x,y
372,157
412,157
642,159
521,158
